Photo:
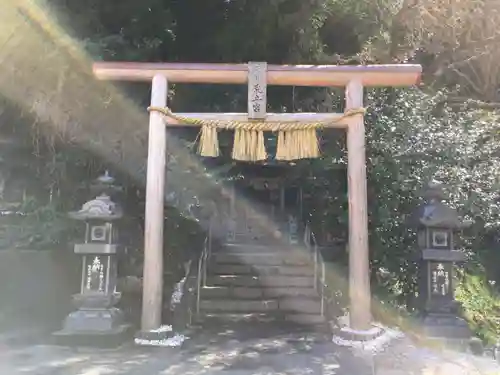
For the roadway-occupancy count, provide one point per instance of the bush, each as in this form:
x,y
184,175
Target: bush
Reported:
x,y
481,305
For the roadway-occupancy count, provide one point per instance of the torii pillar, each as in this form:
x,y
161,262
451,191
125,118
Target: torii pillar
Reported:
x,y
359,257
152,295
353,78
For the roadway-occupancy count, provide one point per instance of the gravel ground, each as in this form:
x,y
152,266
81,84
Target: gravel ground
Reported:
x,y
401,356
243,349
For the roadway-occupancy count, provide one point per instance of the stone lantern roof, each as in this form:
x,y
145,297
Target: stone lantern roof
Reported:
x,y
435,213
105,184
102,208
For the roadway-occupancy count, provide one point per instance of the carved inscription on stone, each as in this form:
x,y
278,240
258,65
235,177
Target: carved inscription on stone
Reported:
x,y
440,274
257,87
95,278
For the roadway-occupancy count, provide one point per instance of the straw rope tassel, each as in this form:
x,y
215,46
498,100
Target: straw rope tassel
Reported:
x,y
297,144
237,151
209,142
249,145
281,146
295,140
261,147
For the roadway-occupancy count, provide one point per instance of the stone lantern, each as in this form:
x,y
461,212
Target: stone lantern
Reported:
x,y
96,314
438,227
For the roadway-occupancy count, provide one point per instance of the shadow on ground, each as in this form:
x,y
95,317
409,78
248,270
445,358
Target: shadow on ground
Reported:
x,y
243,349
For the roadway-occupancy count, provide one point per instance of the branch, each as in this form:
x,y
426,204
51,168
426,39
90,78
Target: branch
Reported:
x,y
469,81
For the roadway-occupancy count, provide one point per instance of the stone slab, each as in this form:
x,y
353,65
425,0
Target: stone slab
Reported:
x,y
444,255
445,326
234,280
290,292
305,318
247,306
113,338
255,259
264,281
256,269
210,292
98,321
287,281
301,304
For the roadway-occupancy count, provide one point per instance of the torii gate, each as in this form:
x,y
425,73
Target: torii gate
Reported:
x,y
353,78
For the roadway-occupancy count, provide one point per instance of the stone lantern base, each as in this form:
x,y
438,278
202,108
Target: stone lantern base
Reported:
x,y
95,323
110,339
448,329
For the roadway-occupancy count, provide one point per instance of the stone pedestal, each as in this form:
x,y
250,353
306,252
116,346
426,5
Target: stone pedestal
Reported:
x,y
96,322
446,326
441,313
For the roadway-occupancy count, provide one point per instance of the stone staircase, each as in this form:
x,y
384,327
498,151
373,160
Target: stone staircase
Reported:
x,y
265,282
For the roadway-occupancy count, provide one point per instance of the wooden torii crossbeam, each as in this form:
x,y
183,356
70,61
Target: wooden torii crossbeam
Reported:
x,y
353,78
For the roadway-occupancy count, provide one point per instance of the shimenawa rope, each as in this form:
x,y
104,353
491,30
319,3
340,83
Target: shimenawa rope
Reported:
x,y
296,140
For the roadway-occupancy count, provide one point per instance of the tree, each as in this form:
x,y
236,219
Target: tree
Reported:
x,y
456,41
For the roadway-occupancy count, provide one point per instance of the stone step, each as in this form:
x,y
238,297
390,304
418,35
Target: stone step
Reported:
x,y
280,247
239,317
306,318
304,305
264,281
210,292
290,292
238,306
247,269
239,242
268,317
252,303
261,259
233,280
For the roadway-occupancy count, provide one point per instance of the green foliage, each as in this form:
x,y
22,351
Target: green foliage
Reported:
x,y
38,227
414,137
481,306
